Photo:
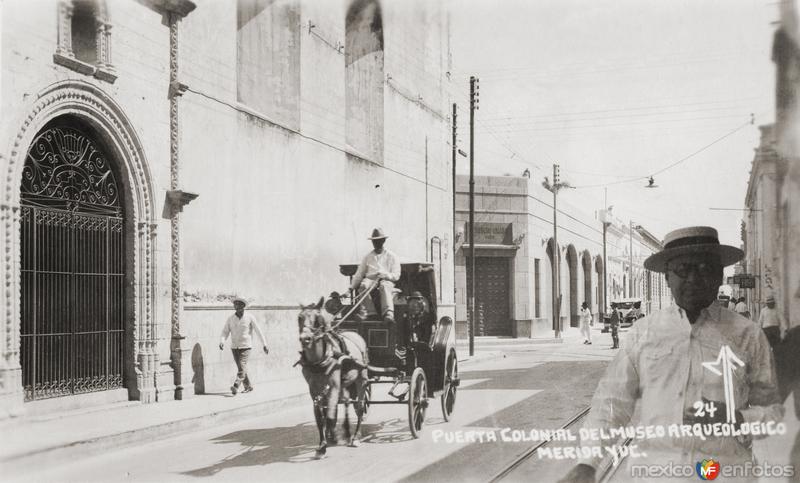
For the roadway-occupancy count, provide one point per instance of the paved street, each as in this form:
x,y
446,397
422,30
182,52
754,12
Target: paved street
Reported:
x,y
534,386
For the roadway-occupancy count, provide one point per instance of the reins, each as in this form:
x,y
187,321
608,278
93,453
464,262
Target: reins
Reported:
x,y
359,300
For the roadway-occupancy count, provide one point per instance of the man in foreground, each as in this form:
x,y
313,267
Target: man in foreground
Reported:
x,y
661,366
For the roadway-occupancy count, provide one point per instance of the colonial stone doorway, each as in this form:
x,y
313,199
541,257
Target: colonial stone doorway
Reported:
x,y
492,292
72,265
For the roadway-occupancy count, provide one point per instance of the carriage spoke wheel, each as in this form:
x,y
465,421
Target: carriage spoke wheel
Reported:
x,y
450,386
417,401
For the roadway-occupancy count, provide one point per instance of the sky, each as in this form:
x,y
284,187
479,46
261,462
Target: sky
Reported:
x,y
619,90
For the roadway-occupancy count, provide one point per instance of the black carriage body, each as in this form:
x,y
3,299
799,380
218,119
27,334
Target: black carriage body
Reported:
x,y
380,336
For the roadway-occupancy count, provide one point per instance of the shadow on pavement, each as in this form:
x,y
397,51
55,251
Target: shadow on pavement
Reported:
x,y
295,444
258,447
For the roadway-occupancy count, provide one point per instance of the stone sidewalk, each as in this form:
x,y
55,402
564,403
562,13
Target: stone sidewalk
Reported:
x,y
58,437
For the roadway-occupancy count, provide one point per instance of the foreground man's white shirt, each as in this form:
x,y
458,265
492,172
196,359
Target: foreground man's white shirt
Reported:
x,y
659,367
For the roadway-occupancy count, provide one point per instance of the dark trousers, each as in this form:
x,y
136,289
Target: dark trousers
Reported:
x,y
773,335
615,335
241,356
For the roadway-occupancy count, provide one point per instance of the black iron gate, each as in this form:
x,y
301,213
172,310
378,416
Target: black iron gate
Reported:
x,y
73,265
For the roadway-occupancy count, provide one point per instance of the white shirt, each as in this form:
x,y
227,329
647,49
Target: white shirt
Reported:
x,y
660,369
373,264
241,331
586,315
741,308
770,317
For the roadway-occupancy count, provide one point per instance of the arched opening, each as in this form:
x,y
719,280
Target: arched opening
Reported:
x,y
364,79
268,58
555,273
586,262
73,264
572,265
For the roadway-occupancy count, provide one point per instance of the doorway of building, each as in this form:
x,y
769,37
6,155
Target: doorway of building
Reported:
x,y
72,265
492,289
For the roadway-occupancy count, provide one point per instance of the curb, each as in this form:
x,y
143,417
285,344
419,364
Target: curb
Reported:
x,y
481,357
21,463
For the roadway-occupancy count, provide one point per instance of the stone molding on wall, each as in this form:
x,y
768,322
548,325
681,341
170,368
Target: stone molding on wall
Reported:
x,y
176,10
88,102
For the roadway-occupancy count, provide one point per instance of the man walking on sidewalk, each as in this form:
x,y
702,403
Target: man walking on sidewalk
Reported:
x,y
240,327
741,308
614,323
772,322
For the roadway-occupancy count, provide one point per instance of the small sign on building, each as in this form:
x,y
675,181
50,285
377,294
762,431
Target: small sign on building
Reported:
x,y
747,281
491,233
744,280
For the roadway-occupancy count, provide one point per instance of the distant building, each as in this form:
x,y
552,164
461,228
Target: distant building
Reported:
x,y
514,259
772,235
762,247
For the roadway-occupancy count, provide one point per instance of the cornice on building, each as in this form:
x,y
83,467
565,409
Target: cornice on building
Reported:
x,y
655,243
764,160
180,7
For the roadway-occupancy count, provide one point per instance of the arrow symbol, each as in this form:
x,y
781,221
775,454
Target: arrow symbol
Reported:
x,y
727,362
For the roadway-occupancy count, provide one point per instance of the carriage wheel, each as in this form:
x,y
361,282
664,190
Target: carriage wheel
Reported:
x,y
417,401
450,386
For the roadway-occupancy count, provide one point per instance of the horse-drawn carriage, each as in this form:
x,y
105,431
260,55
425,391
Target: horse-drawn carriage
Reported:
x,y
431,364
427,369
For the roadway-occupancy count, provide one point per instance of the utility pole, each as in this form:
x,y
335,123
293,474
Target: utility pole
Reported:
x,y
630,254
556,256
455,152
553,188
605,261
473,106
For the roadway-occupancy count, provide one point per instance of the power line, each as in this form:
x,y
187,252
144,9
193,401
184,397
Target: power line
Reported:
x,y
623,124
549,119
683,159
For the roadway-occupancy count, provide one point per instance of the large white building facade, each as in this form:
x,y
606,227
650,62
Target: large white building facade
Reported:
x,y
161,156
771,227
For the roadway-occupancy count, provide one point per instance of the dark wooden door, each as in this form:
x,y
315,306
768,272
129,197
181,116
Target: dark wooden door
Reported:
x,y
492,288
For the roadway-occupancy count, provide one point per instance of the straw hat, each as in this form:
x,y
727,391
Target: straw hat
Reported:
x,y
237,298
694,239
377,234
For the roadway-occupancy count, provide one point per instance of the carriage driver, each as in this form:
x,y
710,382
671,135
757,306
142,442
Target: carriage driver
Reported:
x,y
382,265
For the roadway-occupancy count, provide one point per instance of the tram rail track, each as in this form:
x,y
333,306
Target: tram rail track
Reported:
x,y
605,470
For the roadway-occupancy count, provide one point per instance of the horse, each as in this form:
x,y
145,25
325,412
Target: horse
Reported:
x,y
331,381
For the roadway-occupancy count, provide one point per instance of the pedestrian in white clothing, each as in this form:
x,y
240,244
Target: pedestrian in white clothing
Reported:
x,y
240,328
772,322
586,323
741,308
